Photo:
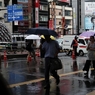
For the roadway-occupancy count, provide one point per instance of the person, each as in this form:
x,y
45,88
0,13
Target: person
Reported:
x,y
42,40
74,44
4,86
93,22
30,49
90,57
51,48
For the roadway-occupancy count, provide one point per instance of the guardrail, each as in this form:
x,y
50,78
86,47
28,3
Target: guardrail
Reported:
x,y
14,48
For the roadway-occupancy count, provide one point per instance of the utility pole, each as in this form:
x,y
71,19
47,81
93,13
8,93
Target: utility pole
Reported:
x,y
78,16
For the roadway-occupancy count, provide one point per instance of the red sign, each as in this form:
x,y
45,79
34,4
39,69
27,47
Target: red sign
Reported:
x,y
51,26
36,13
67,1
36,3
63,22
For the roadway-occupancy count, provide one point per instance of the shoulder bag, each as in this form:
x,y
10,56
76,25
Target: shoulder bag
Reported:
x,y
55,64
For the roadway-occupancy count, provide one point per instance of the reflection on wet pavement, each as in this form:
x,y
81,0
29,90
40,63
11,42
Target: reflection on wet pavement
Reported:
x,y
29,80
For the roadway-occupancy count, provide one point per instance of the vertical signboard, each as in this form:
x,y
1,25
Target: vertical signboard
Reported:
x,y
36,13
66,1
74,22
63,22
51,26
15,12
89,8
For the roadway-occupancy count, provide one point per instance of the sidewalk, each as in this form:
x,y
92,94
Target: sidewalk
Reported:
x,y
14,55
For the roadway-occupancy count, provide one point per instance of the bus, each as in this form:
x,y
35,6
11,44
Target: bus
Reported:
x,y
19,39
21,42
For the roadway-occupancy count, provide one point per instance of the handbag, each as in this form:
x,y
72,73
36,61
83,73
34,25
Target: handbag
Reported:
x,y
55,64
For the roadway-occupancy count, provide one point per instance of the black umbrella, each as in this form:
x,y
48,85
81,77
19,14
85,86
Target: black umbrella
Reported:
x,y
41,31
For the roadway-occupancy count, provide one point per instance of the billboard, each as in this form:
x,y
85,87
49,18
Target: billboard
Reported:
x,y
51,26
90,23
66,1
89,8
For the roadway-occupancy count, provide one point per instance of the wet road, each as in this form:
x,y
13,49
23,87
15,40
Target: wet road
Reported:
x,y
29,80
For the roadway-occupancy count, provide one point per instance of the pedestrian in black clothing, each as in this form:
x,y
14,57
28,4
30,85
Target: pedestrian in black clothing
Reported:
x,y
42,52
30,48
52,49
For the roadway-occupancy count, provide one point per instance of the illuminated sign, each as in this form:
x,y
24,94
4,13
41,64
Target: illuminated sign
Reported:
x,y
66,1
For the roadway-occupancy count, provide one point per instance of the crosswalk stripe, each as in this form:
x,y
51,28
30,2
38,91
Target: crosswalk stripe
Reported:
x,y
41,79
91,93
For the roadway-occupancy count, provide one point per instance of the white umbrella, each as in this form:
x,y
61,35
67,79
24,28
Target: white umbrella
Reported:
x,y
30,37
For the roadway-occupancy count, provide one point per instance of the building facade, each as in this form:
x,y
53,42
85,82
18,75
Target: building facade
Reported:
x,y
5,26
37,13
83,12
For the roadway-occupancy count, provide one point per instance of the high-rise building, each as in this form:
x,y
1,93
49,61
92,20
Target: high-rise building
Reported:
x,y
37,13
83,12
5,26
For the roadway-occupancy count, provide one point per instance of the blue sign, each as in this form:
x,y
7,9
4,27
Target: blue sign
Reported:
x,y
15,12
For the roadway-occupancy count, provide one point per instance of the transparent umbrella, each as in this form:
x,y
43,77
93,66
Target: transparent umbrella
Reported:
x,y
31,37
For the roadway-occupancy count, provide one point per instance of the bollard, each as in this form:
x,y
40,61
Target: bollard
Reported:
x,y
73,55
5,56
37,53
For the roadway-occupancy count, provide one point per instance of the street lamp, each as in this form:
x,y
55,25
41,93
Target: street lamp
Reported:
x,y
52,11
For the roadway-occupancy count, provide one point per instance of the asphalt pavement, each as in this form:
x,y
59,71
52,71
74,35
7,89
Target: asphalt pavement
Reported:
x,y
29,79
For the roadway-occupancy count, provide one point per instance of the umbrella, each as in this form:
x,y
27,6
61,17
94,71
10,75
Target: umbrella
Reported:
x,y
30,37
52,37
87,34
41,31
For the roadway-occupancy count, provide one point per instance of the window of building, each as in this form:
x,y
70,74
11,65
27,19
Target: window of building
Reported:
x,y
18,38
0,4
44,7
60,13
67,13
26,17
59,23
68,22
6,2
22,0
43,18
25,5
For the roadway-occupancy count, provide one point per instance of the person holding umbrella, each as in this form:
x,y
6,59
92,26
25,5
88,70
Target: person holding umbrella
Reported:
x,y
30,49
51,48
42,40
42,53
